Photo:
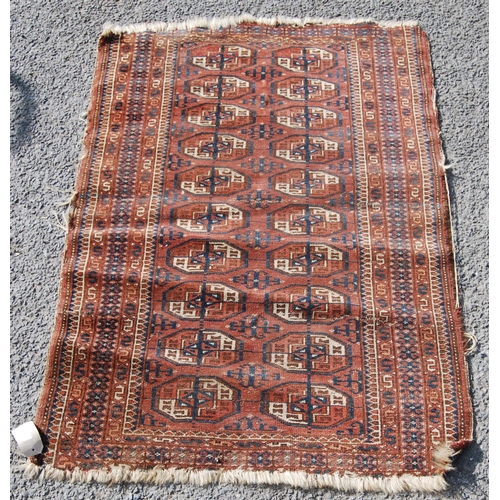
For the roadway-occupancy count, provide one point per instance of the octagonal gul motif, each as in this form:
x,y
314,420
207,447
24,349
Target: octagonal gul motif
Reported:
x,y
312,405
200,348
220,87
306,182
209,217
212,181
305,89
307,259
216,114
305,59
307,353
306,117
190,398
196,300
307,149
205,256
307,303
217,57
223,147
306,219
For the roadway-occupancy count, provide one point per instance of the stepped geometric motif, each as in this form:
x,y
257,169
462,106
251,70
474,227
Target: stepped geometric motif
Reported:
x,y
307,303
226,87
209,217
222,147
305,59
203,348
196,399
307,259
302,352
307,149
305,89
228,115
307,117
212,180
195,300
314,183
306,219
202,256
221,57
310,405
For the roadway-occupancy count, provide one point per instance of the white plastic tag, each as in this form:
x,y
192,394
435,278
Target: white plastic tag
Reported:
x,y
28,439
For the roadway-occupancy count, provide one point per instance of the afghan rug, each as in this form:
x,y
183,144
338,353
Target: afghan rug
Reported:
x,y
258,284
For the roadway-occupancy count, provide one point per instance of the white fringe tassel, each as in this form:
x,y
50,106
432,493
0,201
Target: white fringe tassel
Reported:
x,y
225,22
159,476
443,456
471,343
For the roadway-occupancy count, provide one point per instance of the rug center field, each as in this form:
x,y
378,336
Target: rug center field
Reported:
x,y
244,297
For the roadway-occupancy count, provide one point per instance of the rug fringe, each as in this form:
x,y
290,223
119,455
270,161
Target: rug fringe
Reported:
x,y
225,22
67,216
471,343
62,225
443,456
68,200
159,476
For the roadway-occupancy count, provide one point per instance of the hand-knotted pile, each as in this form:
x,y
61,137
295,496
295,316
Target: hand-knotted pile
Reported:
x,y
258,282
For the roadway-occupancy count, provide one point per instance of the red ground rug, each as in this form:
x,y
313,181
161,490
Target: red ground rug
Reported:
x,y
258,282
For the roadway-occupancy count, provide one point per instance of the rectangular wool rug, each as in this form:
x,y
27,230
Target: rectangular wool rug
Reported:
x,y
258,284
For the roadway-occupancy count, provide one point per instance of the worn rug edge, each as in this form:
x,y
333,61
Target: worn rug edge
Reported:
x,y
215,23
162,476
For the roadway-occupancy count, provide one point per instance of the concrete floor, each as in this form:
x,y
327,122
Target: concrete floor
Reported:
x,y
52,61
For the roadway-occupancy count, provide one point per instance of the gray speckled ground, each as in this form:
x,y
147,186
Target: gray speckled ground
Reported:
x,y
53,49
